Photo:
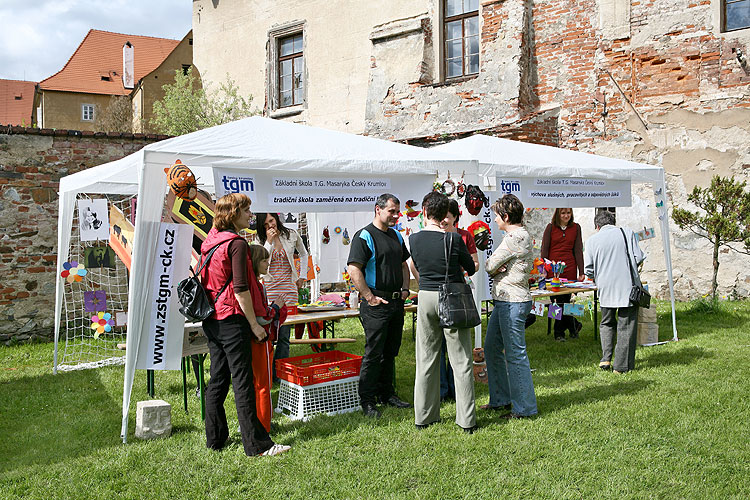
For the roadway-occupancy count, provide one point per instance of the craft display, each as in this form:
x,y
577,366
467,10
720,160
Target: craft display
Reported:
x,y
181,181
93,222
99,257
337,229
345,237
573,309
121,233
538,308
410,212
73,272
326,236
348,280
448,187
555,311
102,323
95,301
481,232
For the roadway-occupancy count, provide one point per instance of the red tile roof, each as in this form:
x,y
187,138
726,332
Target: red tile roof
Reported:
x,y
16,102
100,56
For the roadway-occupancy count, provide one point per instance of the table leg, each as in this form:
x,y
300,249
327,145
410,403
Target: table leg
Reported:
x,y
184,382
150,383
202,386
413,322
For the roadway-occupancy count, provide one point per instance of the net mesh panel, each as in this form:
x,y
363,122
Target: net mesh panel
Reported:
x,y
80,348
302,402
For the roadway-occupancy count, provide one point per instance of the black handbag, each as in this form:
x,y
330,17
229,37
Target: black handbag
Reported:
x,y
196,303
639,296
456,307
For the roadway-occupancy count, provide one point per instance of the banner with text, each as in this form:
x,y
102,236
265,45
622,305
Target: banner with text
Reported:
x,y
273,191
162,349
562,192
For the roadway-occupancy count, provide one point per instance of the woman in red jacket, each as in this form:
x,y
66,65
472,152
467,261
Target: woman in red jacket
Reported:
x,y
232,329
562,241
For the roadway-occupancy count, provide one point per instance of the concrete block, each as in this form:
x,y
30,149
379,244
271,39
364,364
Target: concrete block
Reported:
x,y
647,315
153,419
648,333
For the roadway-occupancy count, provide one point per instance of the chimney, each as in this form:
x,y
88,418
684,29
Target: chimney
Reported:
x,y
128,74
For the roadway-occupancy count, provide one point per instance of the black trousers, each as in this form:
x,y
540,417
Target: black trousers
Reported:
x,y
383,325
567,322
231,361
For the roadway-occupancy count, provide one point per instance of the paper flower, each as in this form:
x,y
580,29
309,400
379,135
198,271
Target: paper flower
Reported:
x,y
73,271
101,323
94,301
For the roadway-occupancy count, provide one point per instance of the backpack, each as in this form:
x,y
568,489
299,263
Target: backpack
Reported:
x,y
195,303
475,199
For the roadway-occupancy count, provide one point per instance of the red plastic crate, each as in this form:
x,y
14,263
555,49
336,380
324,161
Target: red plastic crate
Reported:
x,y
318,367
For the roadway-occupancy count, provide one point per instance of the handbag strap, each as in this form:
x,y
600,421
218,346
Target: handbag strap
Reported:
x,y
205,263
448,249
630,262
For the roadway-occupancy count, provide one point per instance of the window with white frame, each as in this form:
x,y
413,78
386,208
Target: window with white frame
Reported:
x,y
87,112
286,83
735,15
461,35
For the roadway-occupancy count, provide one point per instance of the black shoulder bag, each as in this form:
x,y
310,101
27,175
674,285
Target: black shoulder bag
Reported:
x,y
639,296
456,307
196,303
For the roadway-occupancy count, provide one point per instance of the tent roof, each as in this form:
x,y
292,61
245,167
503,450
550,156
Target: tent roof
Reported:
x,y
264,144
523,159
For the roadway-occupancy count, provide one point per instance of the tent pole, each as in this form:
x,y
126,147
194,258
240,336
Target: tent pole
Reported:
x,y
667,251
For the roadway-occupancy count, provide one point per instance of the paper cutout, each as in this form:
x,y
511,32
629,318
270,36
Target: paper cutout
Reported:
x,y
645,234
101,323
658,192
337,229
98,257
537,308
573,310
659,203
73,271
94,301
326,236
345,237
121,318
121,233
555,311
93,221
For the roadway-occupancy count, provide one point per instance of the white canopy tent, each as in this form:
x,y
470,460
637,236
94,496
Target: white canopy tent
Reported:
x,y
514,159
253,145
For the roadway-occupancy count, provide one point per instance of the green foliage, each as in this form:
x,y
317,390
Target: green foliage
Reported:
x,y
116,117
671,429
187,106
723,217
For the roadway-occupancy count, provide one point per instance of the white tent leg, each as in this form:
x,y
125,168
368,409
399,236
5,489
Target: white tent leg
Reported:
x,y
667,252
313,229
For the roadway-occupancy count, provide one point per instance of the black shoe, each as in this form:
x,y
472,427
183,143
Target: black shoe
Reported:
x,y
397,402
560,339
578,327
370,410
470,430
448,397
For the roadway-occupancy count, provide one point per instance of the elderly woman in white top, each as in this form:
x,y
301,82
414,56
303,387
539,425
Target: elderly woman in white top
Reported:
x,y
508,371
282,280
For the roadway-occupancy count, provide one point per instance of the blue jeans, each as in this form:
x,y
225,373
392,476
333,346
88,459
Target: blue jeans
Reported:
x,y
447,386
508,368
282,347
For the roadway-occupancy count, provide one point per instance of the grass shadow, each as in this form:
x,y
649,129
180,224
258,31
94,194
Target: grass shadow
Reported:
x,y
551,403
50,418
684,356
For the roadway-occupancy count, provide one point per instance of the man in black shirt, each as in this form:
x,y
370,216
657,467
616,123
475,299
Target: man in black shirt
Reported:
x,y
377,266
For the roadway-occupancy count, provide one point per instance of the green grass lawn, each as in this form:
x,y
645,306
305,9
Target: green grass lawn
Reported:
x,y
677,427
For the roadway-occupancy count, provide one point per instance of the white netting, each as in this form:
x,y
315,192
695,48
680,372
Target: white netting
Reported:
x,y
83,347
301,402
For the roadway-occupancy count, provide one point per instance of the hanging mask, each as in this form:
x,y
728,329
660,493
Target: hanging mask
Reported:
x,y
345,237
326,236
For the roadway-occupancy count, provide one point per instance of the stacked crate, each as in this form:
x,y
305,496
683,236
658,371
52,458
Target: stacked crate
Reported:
x,y
648,329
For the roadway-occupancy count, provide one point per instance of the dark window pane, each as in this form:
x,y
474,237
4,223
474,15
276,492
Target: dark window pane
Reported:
x,y
298,43
287,46
452,8
453,30
472,26
299,65
453,68
471,5
453,49
286,83
286,98
472,45
737,15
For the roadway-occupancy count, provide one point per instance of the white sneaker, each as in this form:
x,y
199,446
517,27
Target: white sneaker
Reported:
x,y
276,449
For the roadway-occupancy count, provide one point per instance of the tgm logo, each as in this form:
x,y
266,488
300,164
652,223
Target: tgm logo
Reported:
x,y
237,184
509,187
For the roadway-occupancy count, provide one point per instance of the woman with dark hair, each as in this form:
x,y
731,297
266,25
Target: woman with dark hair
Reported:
x,y
562,242
232,329
428,251
508,370
282,280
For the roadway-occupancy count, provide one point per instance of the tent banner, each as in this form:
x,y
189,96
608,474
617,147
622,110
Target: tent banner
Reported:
x,y
563,192
274,191
161,341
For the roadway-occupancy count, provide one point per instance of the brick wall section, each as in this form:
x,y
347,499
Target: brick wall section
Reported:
x,y
32,161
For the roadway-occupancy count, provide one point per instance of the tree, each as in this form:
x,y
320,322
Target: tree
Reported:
x,y
723,218
187,107
117,116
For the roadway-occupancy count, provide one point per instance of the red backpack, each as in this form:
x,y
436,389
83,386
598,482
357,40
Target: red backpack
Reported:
x,y
475,199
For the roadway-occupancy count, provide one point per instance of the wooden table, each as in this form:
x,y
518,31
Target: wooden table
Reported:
x,y
536,294
329,319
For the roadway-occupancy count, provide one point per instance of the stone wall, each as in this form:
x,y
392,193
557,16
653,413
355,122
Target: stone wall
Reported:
x,y
32,161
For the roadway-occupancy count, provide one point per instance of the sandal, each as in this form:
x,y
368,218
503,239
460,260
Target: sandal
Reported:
x,y
605,366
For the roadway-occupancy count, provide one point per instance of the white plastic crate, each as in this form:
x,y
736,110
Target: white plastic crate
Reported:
x,y
302,402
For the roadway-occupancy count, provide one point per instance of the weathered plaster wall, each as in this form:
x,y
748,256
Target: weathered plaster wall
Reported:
x,y
63,109
32,161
